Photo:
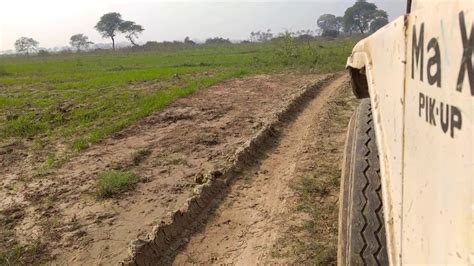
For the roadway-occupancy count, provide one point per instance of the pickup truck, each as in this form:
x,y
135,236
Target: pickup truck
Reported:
x,y
408,176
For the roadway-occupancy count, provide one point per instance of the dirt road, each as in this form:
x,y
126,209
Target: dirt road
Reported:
x,y
58,217
251,223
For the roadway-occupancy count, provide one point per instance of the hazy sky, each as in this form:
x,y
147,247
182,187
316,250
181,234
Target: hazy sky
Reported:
x,y
52,22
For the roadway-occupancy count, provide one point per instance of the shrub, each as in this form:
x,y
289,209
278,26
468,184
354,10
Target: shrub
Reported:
x,y
113,182
287,50
330,33
43,52
218,40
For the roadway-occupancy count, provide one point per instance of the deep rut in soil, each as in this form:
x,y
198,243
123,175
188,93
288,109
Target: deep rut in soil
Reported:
x,y
244,227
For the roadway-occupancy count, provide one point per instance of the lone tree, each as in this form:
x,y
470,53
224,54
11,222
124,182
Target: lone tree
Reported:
x,y
131,30
362,15
330,24
80,41
108,26
26,45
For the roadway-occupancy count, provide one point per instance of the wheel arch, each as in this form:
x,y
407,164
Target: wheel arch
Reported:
x,y
359,84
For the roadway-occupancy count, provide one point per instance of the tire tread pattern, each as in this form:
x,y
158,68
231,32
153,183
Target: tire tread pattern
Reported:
x,y
366,242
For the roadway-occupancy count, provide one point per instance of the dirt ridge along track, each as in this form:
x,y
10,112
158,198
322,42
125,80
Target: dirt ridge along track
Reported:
x,y
165,241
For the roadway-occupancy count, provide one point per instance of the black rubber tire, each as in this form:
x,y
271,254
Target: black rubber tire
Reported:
x,y
362,238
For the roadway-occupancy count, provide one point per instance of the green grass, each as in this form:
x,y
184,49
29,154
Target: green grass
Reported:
x,y
20,255
113,182
80,99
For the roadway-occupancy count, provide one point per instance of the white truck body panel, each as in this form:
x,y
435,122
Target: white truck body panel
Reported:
x,y
423,104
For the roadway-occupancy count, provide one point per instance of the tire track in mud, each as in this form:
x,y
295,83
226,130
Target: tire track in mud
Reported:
x,y
282,136
245,226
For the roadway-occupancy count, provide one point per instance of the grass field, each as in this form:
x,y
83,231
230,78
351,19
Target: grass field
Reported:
x,y
78,99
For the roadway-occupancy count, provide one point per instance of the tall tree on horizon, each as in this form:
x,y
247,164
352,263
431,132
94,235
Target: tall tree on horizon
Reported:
x,y
109,25
131,30
329,24
362,15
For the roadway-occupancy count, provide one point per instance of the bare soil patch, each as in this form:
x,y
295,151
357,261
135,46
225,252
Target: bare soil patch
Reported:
x,y
171,152
283,209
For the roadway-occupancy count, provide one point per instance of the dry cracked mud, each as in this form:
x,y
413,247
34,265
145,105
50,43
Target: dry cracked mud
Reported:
x,y
172,151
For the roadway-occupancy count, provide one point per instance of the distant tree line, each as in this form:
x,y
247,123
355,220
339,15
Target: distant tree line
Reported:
x,y
362,17
109,26
217,40
261,36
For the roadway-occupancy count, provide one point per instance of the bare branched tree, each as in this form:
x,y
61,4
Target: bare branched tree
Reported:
x,y
26,45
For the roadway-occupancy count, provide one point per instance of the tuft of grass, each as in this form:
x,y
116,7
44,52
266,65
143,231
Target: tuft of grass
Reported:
x,y
113,182
51,160
23,126
140,155
21,255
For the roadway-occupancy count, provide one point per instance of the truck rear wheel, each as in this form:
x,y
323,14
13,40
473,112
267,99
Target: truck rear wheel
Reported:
x,y
362,238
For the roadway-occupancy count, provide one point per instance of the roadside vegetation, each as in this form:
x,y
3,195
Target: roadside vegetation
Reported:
x,y
59,103
63,103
